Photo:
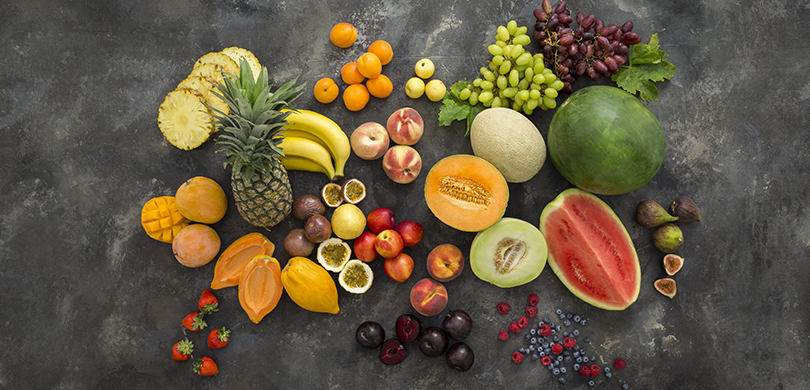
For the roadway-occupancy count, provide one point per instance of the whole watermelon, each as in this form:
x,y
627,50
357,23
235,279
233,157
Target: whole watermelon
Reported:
x,y
604,140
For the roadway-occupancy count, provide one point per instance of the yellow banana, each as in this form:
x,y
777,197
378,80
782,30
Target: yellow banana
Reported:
x,y
295,163
303,134
309,149
327,130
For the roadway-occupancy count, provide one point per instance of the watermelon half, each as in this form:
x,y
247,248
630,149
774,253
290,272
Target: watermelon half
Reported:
x,y
590,250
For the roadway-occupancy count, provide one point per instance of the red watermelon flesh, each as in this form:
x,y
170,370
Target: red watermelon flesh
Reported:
x,y
590,250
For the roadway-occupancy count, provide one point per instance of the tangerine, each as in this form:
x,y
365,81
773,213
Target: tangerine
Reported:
x,y
382,50
380,86
343,35
350,74
369,65
355,97
326,91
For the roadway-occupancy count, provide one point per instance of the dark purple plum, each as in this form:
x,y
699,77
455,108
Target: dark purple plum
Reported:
x,y
370,334
432,342
393,352
460,357
408,328
457,324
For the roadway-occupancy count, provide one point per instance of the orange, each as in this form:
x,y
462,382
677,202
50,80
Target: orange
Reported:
x,y
380,87
369,65
350,74
326,90
355,97
382,50
343,35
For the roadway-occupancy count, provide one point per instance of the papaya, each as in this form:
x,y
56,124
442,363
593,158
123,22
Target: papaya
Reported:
x,y
310,286
232,261
260,287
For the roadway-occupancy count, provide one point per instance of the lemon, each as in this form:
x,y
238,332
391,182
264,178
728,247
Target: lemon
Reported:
x,y
356,277
348,221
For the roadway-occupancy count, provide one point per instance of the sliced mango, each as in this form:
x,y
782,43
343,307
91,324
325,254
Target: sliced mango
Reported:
x,y
161,219
232,261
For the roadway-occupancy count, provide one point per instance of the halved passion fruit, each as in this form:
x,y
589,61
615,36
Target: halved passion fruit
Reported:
x,y
353,191
333,254
356,277
332,194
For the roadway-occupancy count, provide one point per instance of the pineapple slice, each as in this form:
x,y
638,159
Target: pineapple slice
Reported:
x,y
184,120
210,72
204,87
236,53
225,62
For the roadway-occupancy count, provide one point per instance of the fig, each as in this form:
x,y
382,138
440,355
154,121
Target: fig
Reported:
x,y
651,214
370,334
672,264
432,341
668,238
305,206
457,324
666,286
685,209
460,357
317,229
297,244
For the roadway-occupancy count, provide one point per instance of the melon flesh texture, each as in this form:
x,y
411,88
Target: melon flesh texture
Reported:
x,y
590,250
522,243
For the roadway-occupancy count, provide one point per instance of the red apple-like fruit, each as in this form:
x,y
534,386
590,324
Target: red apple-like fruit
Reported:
x,y
411,232
379,219
399,268
364,247
402,164
428,297
369,141
445,262
405,126
388,243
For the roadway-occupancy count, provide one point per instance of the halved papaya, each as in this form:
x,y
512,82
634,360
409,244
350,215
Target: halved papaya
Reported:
x,y
232,261
260,287
466,192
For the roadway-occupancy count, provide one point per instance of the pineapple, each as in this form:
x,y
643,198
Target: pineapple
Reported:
x,y
184,119
224,61
249,136
237,53
205,88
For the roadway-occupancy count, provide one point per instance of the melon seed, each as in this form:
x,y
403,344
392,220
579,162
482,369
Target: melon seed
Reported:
x,y
465,189
509,253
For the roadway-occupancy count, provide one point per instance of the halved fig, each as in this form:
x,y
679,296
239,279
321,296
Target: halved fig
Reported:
x,y
666,286
672,264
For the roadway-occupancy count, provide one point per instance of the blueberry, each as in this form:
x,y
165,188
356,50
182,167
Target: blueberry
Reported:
x,y
582,322
579,360
562,379
559,311
576,347
533,340
560,358
562,316
593,358
563,370
544,345
522,350
565,334
577,318
625,386
585,359
590,383
559,328
527,337
576,367
531,348
569,315
546,320
567,323
550,367
608,375
576,354
555,371
566,352
532,331
575,332
547,351
541,353
556,339
606,369
568,359
535,357
586,340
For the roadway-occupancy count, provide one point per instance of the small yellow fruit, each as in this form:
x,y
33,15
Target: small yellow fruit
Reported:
x,y
435,90
424,68
415,88
348,221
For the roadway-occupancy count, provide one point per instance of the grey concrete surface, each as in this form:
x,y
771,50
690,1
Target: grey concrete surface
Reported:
x,y
91,302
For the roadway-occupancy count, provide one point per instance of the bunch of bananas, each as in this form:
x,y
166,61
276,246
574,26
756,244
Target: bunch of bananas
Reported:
x,y
314,143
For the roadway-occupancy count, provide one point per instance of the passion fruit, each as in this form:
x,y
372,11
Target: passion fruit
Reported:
x,y
356,277
297,244
307,205
318,229
333,254
332,194
353,191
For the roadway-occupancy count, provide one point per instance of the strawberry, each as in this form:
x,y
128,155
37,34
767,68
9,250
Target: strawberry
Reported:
x,y
218,338
194,322
208,302
205,366
182,350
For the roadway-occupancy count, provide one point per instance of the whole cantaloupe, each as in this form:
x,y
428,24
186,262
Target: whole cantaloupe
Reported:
x,y
509,141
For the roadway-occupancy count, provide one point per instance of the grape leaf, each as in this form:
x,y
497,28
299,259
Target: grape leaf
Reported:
x,y
647,65
455,109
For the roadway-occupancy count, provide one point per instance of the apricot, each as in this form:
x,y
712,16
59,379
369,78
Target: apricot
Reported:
x,y
196,245
202,200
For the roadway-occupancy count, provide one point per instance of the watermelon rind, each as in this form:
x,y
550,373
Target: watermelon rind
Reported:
x,y
569,224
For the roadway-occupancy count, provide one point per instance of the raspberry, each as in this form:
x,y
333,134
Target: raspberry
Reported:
x,y
517,357
514,327
569,342
531,311
503,335
584,371
545,330
533,299
503,308
595,370
545,360
556,349
619,363
523,322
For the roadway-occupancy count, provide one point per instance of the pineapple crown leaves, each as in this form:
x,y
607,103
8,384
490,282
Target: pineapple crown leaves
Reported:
x,y
250,135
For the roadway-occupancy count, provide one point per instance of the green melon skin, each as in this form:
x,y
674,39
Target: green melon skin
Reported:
x,y
605,141
487,241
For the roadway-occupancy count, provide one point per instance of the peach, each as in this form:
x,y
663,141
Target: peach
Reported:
x,y
405,126
411,232
379,219
388,244
370,141
202,200
445,262
196,245
402,164
399,268
428,297
364,248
